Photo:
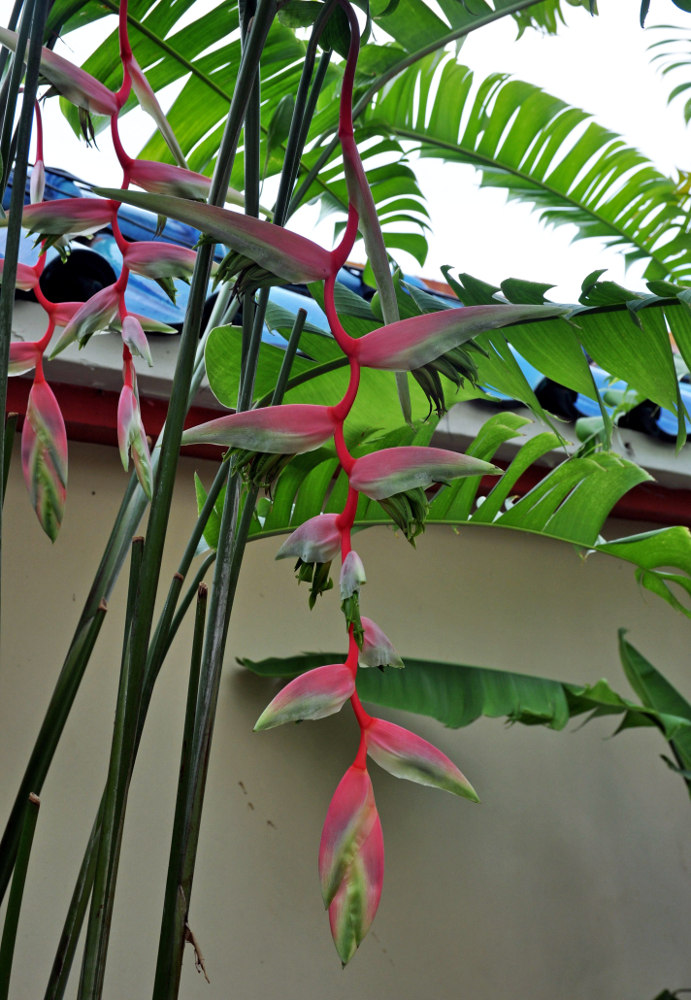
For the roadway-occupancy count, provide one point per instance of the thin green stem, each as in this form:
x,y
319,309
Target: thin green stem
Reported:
x,y
119,772
174,917
67,945
14,903
11,95
49,734
288,357
10,431
187,599
93,968
390,74
33,20
302,113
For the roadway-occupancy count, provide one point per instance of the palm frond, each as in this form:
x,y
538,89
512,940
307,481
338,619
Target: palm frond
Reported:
x,y
540,150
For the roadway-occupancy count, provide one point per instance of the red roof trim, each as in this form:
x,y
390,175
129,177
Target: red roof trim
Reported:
x,y
90,416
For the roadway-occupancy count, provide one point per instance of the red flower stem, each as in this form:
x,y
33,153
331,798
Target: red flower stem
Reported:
x,y
127,378
38,374
346,518
340,255
345,125
345,134
121,285
344,456
124,159
39,131
42,344
342,409
125,55
344,341
117,233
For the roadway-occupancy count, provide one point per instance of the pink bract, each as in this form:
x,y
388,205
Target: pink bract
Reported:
x,y
44,456
285,254
278,430
316,540
349,820
67,215
355,904
164,178
406,755
313,695
411,343
75,84
27,278
156,259
23,357
131,438
394,470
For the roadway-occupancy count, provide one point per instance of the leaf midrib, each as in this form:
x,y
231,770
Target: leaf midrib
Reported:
x,y
425,140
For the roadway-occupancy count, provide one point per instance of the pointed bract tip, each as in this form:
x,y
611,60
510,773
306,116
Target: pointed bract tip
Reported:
x,y
312,695
406,755
377,649
290,429
352,575
316,540
384,473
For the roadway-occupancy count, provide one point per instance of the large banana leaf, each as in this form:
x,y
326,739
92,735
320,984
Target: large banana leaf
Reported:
x,y
171,50
540,150
624,332
456,695
570,503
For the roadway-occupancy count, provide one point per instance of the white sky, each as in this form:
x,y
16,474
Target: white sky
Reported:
x,y
599,64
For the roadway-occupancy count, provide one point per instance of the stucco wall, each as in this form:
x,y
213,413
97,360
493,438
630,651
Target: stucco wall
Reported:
x,y
571,879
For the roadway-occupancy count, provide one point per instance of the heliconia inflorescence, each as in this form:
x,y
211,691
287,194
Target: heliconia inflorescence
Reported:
x,y
56,222
351,853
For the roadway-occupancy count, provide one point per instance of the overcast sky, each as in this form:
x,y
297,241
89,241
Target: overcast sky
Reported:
x,y
599,64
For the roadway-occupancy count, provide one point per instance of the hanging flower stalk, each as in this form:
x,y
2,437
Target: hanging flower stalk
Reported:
x,y
351,854
55,222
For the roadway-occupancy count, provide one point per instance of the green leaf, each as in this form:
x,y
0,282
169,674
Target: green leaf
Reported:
x,y
213,525
540,150
656,692
456,694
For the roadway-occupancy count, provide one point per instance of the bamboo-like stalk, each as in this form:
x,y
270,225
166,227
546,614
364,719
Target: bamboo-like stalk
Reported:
x,y
4,53
14,903
10,431
93,967
67,945
31,28
119,772
174,917
192,785
49,734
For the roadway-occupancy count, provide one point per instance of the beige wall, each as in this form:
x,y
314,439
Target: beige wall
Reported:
x,y
571,880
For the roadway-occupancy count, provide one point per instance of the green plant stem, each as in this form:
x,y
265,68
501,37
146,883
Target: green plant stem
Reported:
x,y
93,968
392,72
33,20
191,791
49,734
302,113
67,945
119,771
288,357
132,508
14,903
174,917
187,600
10,431
11,89
232,542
